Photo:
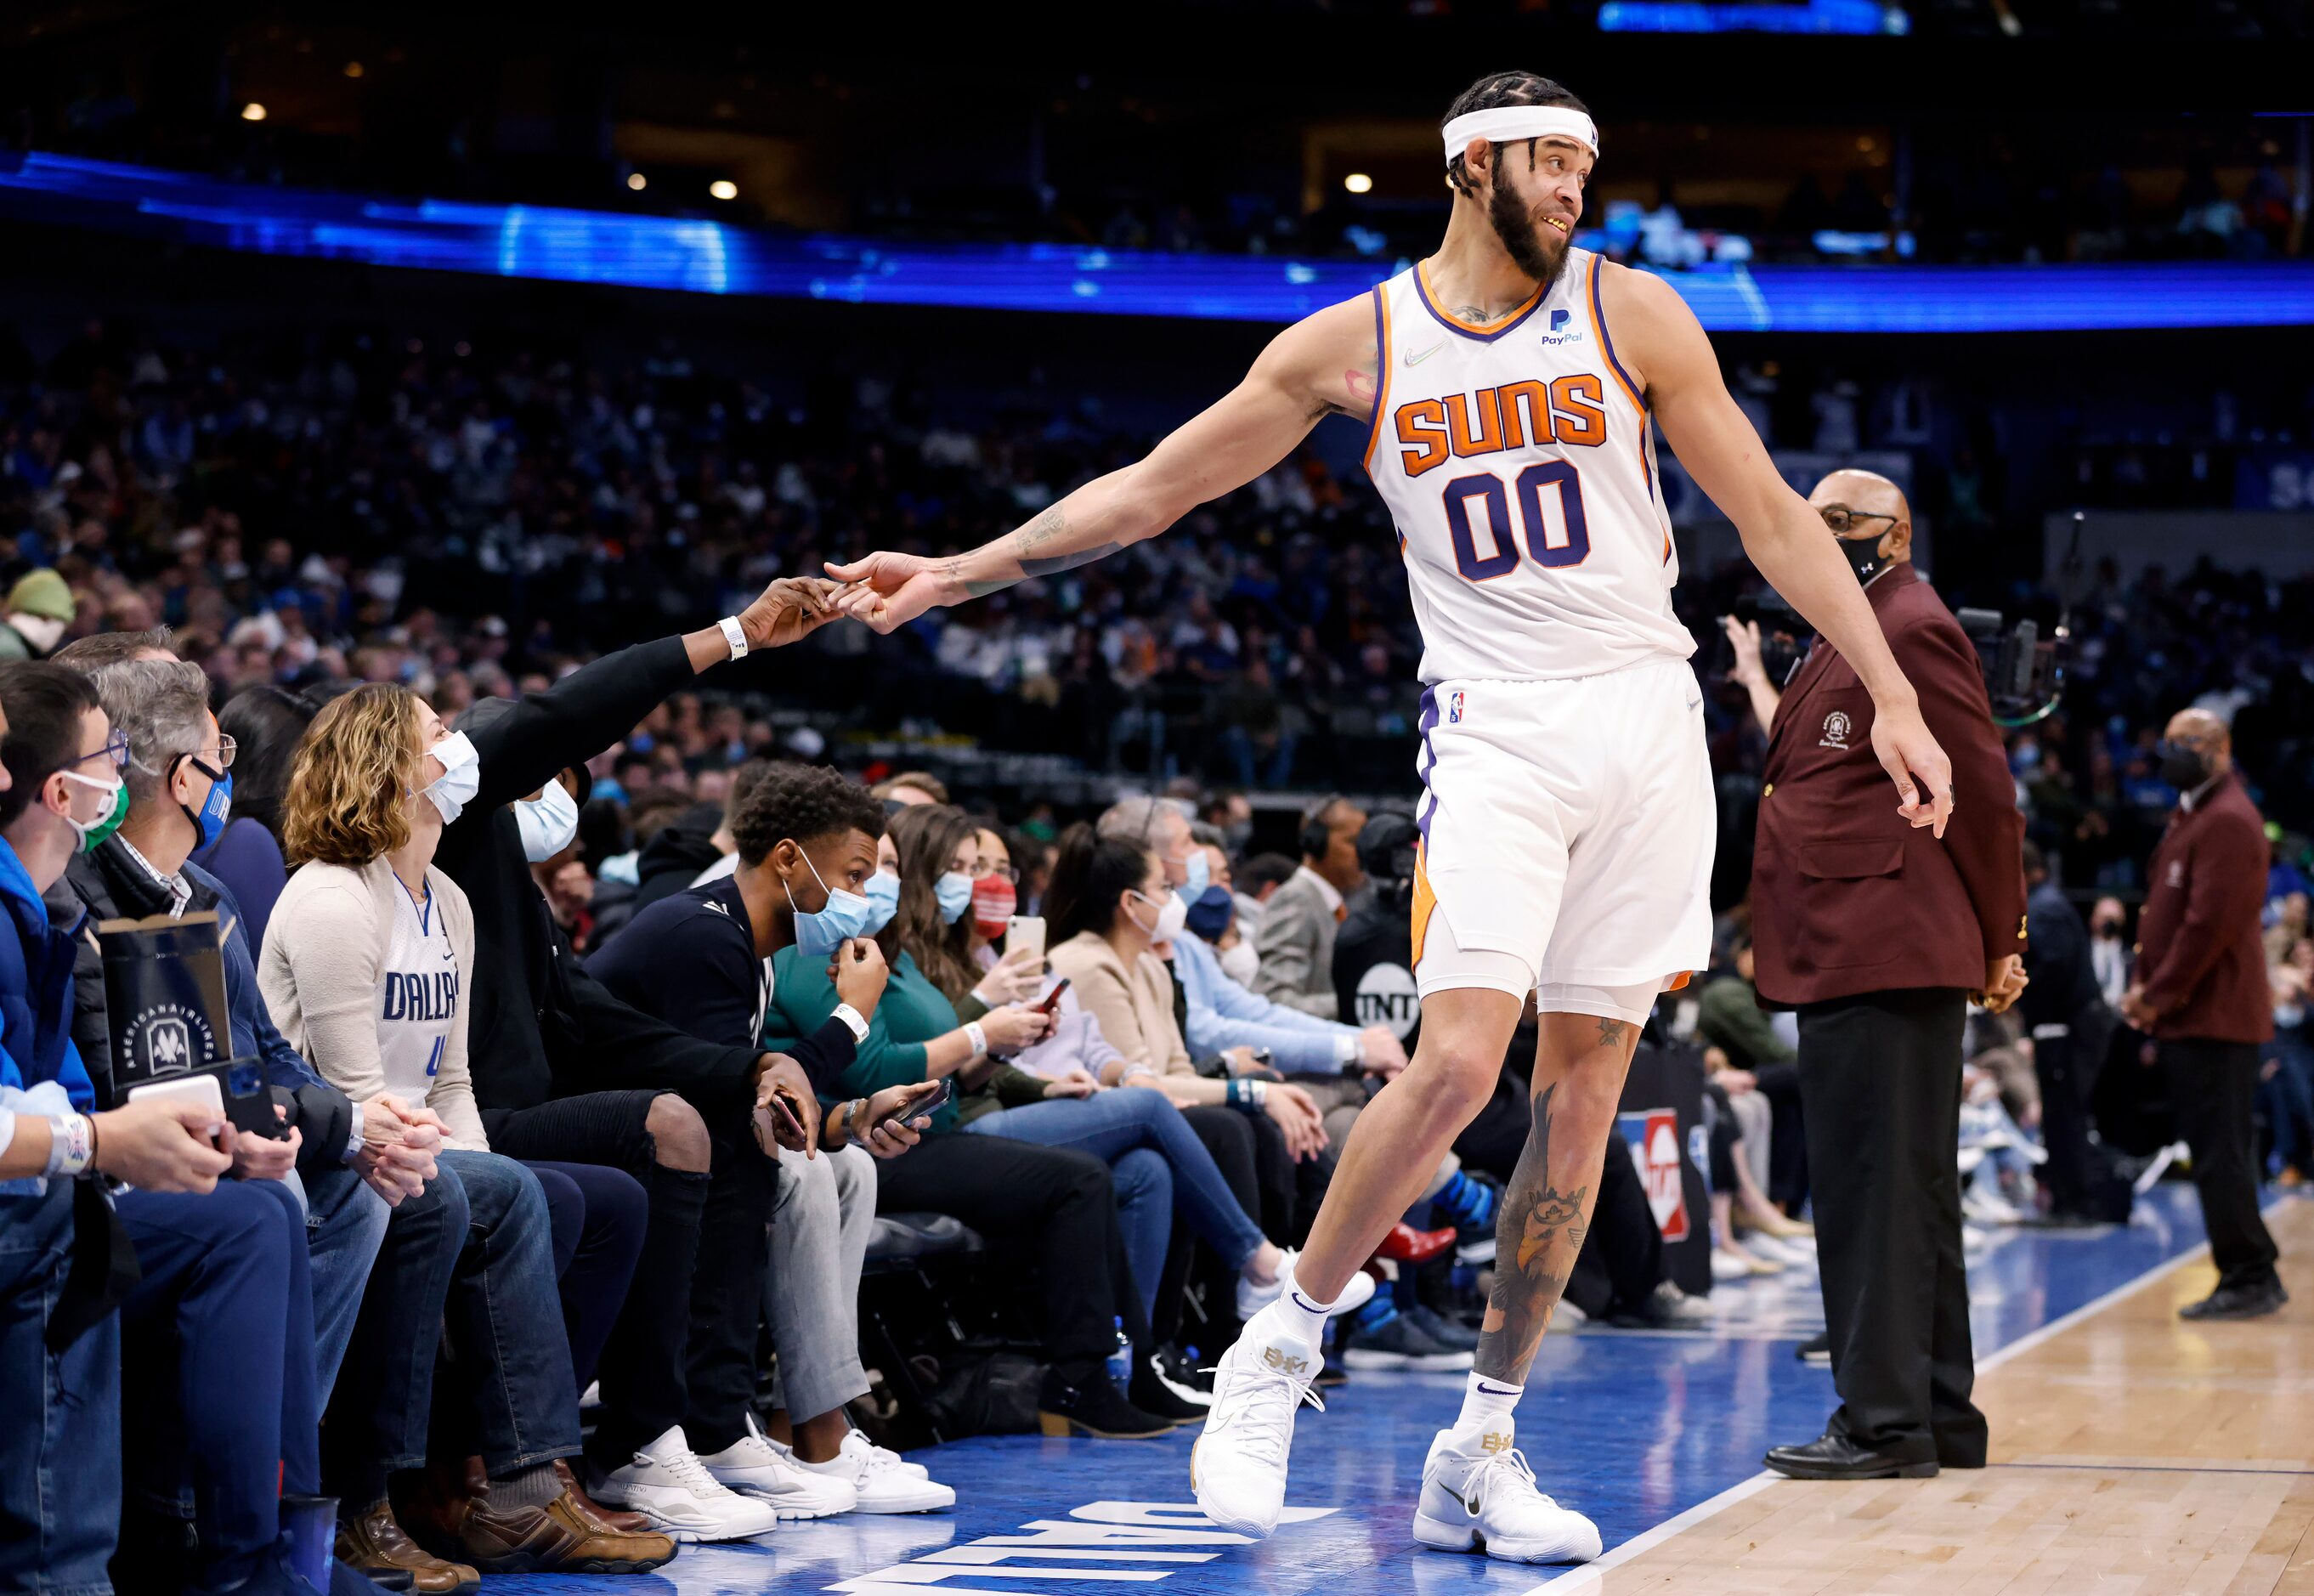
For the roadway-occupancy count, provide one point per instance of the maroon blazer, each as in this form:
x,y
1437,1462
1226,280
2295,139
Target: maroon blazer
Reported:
x,y
1847,898
2199,955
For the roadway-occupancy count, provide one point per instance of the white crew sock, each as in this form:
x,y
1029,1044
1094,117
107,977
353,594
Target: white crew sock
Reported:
x,y
1486,1407
1298,1315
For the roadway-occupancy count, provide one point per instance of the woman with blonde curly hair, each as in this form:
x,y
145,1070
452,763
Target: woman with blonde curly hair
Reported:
x,y
364,966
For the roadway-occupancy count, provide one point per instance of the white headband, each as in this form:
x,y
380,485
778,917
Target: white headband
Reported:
x,y
1507,123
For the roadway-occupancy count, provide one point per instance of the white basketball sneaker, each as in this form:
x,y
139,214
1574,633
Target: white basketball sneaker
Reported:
x,y
754,1465
668,1484
1479,1496
1252,1298
1237,1470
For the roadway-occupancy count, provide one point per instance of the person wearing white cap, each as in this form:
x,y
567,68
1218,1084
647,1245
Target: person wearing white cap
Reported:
x,y
1510,385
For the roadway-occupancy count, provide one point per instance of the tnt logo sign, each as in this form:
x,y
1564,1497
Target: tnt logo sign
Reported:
x,y
1653,1136
1387,995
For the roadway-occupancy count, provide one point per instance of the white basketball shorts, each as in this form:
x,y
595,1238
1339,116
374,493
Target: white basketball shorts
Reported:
x,y
1567,832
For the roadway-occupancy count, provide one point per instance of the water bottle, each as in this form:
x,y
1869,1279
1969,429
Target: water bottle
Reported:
x,y
1120,1361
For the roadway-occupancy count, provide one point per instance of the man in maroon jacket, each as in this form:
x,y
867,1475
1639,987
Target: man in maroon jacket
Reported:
x,y
2200,993
1878,934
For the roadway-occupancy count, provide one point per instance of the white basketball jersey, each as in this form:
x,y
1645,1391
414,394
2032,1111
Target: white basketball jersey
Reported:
x,y
1518,463
418,996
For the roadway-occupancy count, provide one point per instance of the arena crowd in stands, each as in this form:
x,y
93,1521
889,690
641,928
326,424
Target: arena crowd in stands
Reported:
x,y
362,507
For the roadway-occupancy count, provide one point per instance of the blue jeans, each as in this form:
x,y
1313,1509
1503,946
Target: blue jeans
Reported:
x,y
1153,1155
218,1362
474,1253
345,1225
2287,1097
60,1437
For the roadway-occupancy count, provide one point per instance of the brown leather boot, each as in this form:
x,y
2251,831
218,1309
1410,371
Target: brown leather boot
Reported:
x,y
374,1544
559,1537
611,1520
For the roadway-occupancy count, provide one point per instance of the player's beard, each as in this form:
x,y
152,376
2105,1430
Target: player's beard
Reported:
x,y
1534,251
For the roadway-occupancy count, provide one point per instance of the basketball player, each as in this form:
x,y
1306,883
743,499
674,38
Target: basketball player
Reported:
x,y
1507,383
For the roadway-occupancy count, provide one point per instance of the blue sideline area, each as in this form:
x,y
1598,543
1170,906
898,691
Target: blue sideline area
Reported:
x,y
694,255
1631,1428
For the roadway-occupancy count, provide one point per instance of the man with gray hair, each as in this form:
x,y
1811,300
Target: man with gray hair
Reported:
x,y
350,1170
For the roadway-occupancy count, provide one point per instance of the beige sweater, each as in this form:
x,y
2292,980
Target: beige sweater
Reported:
x,y
1135,1006
321,972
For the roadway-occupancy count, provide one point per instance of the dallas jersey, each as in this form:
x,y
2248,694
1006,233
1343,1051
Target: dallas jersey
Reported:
x,y
1567,814
1518,462
417,995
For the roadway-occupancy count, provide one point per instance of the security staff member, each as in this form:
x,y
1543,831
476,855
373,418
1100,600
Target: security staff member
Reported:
x,y
1878,934
2200,993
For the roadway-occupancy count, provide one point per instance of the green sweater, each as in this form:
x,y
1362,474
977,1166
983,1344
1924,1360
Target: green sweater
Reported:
x,y
911,1013
1729,1017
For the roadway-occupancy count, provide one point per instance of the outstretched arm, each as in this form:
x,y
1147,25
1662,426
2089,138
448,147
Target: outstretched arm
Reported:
x,y
1674,362
1320,366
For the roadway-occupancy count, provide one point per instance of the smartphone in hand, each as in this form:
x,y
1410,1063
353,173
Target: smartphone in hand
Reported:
x,y
1052,1000
943,1091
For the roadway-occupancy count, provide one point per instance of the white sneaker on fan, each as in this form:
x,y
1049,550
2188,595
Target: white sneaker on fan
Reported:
x,y
756,1466
1237,1470
1479,1496
670,1486
883,1480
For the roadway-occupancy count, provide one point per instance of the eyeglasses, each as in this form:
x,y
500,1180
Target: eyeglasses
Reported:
x,y
980,871
115,749
1841,519
216,763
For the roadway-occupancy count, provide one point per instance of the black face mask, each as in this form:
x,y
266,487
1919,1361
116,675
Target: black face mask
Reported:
x,y
1863,555
2184,768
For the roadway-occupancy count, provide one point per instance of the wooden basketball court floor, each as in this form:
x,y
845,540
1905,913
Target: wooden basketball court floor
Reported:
x,y
2131,1453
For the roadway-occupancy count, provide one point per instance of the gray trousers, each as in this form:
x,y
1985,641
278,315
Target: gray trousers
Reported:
x,y
1755,1120
822,1212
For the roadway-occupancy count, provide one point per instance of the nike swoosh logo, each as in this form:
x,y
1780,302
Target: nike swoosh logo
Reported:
x,y
1414,359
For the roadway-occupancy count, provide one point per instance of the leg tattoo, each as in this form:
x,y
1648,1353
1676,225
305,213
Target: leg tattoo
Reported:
x,y
1536,1238
1611,1033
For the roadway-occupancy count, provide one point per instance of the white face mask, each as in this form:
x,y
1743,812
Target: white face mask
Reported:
x,y
547,822
461,777
42,632
1172,914
1241,963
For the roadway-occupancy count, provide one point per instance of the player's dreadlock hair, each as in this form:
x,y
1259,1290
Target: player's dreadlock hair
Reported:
x,y
1490,94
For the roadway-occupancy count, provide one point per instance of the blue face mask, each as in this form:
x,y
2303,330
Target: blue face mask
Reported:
x,y
1201,875
216,809
819,932
883,902
953,893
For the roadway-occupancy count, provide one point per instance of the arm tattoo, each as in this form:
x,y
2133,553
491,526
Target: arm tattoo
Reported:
x,y
1045,529
1537,1237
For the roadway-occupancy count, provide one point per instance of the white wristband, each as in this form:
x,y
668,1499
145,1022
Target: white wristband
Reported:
x,y
735,635
71,1144
976,1037
1349,1048
852,1021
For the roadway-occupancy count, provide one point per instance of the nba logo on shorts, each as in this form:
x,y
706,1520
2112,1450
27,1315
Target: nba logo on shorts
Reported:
x,y
1653,1136
1455,708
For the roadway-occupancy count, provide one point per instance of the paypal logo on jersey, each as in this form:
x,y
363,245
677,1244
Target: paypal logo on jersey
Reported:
x,y
1559,320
